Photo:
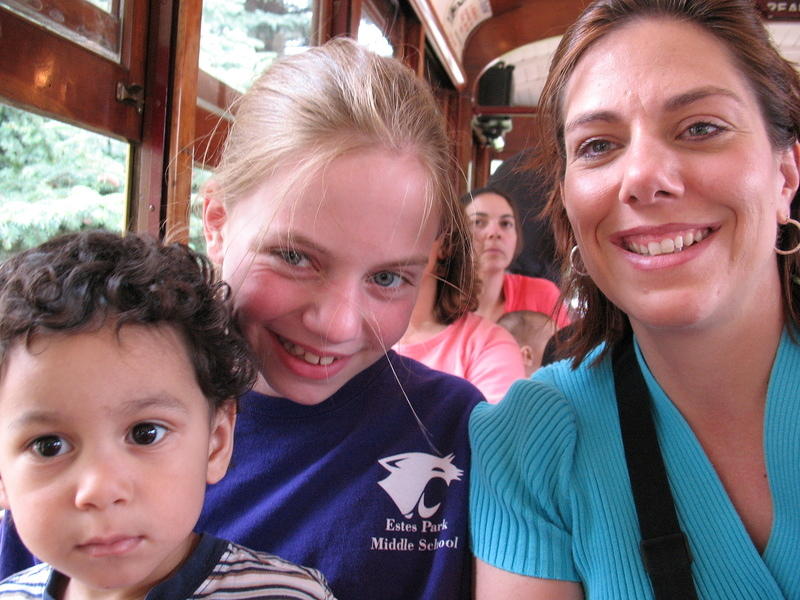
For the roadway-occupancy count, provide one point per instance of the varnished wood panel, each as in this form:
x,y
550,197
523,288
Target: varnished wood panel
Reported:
x,y
186,49
79,17
529,21
60,79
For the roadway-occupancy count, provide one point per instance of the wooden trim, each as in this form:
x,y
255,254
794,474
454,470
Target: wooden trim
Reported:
x,y
506,110
411,49
147,177
186,47
378,13
512,25
483,163
74,16
53,76
334,18
440,43
211,130
215,94
213,118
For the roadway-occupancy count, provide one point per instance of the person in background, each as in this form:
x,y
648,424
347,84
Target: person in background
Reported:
x,y
120,367
670,135
498,240
532,331
445,334
517,180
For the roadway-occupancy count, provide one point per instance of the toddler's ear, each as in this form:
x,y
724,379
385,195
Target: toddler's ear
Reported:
x,y
527,355
215,216
220,443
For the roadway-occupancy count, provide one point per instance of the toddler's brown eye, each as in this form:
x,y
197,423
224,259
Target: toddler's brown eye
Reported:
x,y
147,433
49,446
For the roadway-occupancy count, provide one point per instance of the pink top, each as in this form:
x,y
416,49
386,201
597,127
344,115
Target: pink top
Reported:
x,y
476,349
533,293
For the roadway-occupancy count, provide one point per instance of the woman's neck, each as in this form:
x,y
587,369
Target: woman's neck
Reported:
x,y
709,369
491,300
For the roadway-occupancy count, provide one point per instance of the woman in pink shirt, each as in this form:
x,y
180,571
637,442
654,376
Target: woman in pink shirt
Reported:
x,y
445,334
498,240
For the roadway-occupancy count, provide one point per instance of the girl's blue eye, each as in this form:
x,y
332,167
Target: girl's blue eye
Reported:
x,y
293,257
49,446
145,434
387,279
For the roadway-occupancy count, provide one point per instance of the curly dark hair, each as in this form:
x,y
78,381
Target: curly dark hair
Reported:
x,y
83,281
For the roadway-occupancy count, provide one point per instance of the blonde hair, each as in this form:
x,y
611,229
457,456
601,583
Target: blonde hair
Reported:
x,y
327,101
306,110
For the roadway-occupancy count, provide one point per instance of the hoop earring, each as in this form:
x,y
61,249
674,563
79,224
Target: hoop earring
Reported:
x,y
572,261
796,225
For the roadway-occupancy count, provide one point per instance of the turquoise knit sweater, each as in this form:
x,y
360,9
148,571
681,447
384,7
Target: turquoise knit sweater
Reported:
x,y
551,496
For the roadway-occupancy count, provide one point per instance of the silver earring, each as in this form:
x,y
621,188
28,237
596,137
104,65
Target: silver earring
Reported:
x,y
797,247
572,261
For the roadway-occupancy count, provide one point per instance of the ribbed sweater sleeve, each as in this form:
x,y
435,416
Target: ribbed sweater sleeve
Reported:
x,y
551,494
519,497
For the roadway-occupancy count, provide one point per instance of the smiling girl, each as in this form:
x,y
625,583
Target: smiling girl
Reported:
x,y
334,185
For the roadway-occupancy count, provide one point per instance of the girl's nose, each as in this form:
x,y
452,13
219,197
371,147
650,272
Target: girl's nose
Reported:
x,y
651,171
336,314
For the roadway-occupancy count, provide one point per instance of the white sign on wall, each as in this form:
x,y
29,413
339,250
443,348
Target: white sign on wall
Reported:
x,y
460,17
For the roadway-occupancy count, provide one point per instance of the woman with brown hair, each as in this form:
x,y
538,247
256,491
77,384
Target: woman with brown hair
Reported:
x,y
497,236
670,134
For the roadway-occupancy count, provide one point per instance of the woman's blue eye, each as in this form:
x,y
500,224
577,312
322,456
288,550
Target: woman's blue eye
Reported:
x,y
144,434
594,148
387,279
49,446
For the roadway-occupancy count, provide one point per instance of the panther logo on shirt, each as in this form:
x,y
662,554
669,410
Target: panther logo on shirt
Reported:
x,y
409,475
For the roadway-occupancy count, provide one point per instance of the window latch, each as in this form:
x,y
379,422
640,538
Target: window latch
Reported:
x,y
132,94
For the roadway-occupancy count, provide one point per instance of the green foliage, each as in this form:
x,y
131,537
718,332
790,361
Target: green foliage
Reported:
x,y
55,178
241,38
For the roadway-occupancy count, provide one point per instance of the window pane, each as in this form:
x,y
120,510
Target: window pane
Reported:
x,y
56,178
95,25
241,38
196,240
371,36
106,5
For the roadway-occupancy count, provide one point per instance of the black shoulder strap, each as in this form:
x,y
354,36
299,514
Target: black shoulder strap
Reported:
x,y
664,548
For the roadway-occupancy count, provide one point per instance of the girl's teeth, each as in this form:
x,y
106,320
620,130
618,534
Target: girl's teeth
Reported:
x,y
309,357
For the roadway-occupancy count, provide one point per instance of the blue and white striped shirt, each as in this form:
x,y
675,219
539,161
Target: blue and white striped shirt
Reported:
x,y
216,569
